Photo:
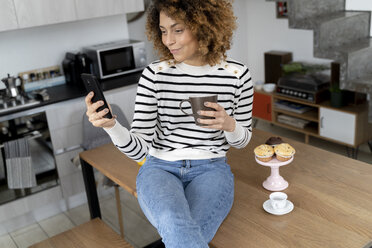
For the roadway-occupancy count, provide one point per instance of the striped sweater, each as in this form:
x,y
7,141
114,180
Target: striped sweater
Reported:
x,y
159,127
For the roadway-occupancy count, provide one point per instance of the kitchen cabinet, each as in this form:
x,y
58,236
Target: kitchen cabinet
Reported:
x,y
66,113
43,12
337,125
16,14
8,18
133,6
262,104
70,175
65,124
86,9
65,165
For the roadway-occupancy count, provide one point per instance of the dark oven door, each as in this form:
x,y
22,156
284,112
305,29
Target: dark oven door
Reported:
x,y
33,129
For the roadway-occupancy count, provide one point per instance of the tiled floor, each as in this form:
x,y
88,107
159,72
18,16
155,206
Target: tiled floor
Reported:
x,y
135,224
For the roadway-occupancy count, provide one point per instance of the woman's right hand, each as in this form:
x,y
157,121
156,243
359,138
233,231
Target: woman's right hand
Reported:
x,y
97,118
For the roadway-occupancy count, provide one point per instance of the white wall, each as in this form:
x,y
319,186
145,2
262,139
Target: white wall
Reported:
x,y
238,50
33,48
265,32
136,31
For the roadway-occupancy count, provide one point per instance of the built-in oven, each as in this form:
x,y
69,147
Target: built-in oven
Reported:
x,y
33,128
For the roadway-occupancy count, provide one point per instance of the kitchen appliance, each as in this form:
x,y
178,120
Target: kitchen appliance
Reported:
x,y
74,65
308,87
13,97
10,104
116,58
34,127
11,85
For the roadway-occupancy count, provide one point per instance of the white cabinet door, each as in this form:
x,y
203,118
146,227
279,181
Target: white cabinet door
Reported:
x,y
67,138
337,125
65,164
66,113
134,6
8,18
65,122
86,9
42,12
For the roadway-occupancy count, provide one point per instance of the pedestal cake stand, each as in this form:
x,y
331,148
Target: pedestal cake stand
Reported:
x,y
275,182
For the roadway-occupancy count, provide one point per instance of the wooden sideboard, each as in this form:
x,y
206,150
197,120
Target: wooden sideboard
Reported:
x,y
346,126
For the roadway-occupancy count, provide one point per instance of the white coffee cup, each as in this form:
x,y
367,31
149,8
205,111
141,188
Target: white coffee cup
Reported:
x,y
278,200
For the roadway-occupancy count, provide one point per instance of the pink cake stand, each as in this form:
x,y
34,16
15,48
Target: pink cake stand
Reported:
x,y
275,182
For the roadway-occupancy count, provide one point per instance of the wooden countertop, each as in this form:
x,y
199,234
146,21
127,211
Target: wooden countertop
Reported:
x,y
113,164
332,197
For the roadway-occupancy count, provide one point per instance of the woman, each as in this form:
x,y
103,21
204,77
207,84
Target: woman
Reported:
x,y
186,188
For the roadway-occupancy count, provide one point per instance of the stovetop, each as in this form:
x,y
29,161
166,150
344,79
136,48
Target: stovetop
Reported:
x,y
19,102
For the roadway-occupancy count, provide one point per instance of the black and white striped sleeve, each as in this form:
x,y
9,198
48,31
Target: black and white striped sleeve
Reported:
x,y
243,112
136,142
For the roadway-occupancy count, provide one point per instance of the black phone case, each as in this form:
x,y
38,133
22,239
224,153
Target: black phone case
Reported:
x,y
91,84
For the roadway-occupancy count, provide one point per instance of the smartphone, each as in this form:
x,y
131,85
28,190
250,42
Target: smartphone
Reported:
x,y
91,83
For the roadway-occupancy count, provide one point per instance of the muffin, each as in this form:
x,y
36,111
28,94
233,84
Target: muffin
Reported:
x,y
273,141
264,152
284,152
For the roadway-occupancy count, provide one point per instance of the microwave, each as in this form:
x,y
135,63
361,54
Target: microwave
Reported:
x,y
116,58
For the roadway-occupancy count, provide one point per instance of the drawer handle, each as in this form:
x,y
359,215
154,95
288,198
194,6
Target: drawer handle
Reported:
x,y
321,122
68,149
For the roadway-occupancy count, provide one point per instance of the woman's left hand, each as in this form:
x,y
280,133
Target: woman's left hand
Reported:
x,y
221,121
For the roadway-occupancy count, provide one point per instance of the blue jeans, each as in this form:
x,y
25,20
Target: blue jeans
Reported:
x,y
185,200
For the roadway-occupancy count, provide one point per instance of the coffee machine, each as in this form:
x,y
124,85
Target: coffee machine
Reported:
x,y
12,90
74,65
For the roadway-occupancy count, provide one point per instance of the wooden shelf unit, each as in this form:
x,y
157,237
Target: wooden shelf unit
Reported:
x,y
312,115
347,125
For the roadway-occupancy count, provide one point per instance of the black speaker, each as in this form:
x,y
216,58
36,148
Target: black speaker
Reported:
x,y
335,74
273,65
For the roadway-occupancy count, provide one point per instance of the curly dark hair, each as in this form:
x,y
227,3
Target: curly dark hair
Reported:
x,y
212,22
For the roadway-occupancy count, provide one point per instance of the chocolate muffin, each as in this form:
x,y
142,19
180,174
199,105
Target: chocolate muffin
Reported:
x,y
273,141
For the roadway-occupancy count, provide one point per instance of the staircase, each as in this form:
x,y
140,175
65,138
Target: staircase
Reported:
x,y
340,35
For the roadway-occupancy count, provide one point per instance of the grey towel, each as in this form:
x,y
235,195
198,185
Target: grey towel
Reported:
x,y
20,173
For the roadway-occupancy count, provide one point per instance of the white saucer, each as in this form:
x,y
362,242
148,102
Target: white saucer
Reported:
x,y
268,208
